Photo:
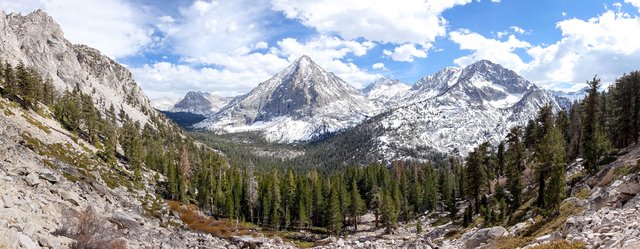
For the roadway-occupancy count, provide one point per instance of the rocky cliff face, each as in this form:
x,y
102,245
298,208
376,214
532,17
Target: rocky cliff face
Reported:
x,y
38,41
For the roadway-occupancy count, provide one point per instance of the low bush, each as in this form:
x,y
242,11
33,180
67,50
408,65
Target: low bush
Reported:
x,y
89,231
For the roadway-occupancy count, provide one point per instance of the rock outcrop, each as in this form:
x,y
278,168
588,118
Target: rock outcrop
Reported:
x,y
38,41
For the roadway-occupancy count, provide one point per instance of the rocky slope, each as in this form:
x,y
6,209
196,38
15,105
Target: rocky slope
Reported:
x,y
38,41
602,211
386,93
47,173
297,104
48,177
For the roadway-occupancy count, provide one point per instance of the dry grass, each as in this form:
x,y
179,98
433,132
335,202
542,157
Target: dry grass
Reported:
x,y
562,244
196,221
89,231
583,194
539,228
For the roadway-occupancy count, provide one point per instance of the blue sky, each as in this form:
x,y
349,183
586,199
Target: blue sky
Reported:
x,y
228,47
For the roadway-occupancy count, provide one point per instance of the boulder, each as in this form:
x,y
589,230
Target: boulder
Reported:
x,y
630,186
8,200
485,235
26,242
123,220
32,179
50,177
71,197
633,202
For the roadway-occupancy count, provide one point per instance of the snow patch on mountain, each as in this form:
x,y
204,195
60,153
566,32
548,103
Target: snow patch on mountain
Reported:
x,y
386,93
481,102
300,102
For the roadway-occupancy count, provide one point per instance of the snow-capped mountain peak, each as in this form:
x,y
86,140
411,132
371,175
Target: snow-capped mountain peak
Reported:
x,y
301,101
454,110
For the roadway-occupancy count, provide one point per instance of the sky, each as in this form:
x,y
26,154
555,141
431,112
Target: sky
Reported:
x,y
227,47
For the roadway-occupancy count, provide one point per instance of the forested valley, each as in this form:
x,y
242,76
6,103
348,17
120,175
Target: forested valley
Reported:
x,y
494,184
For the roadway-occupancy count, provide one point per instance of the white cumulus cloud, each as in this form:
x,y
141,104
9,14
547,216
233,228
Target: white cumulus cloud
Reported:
x,y
378,65
517,29
635,3
601,45
398,22
406,52
173,80
501,52
115,27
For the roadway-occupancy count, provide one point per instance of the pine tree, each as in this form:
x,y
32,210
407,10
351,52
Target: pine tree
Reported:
x,y
545,123
625,109
68,111
500,160
288,197
555,158
335,214
389,212
10,84
318,200
303,200
377,203
476,176
48,92
515,166
431,187
575,131
590,126
276,203
357,207
447,193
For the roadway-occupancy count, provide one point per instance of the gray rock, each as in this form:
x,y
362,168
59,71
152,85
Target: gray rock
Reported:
x,y
50,177
32,179
630,186
71,197
8,201
485,235
29,229
26,242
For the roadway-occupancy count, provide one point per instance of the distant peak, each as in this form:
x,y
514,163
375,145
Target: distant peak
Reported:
x,y
485,62
305,59
386,81
41,14
196,93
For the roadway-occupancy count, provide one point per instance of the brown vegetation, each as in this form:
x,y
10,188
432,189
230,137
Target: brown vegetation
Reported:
x,y
197,221
89,231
